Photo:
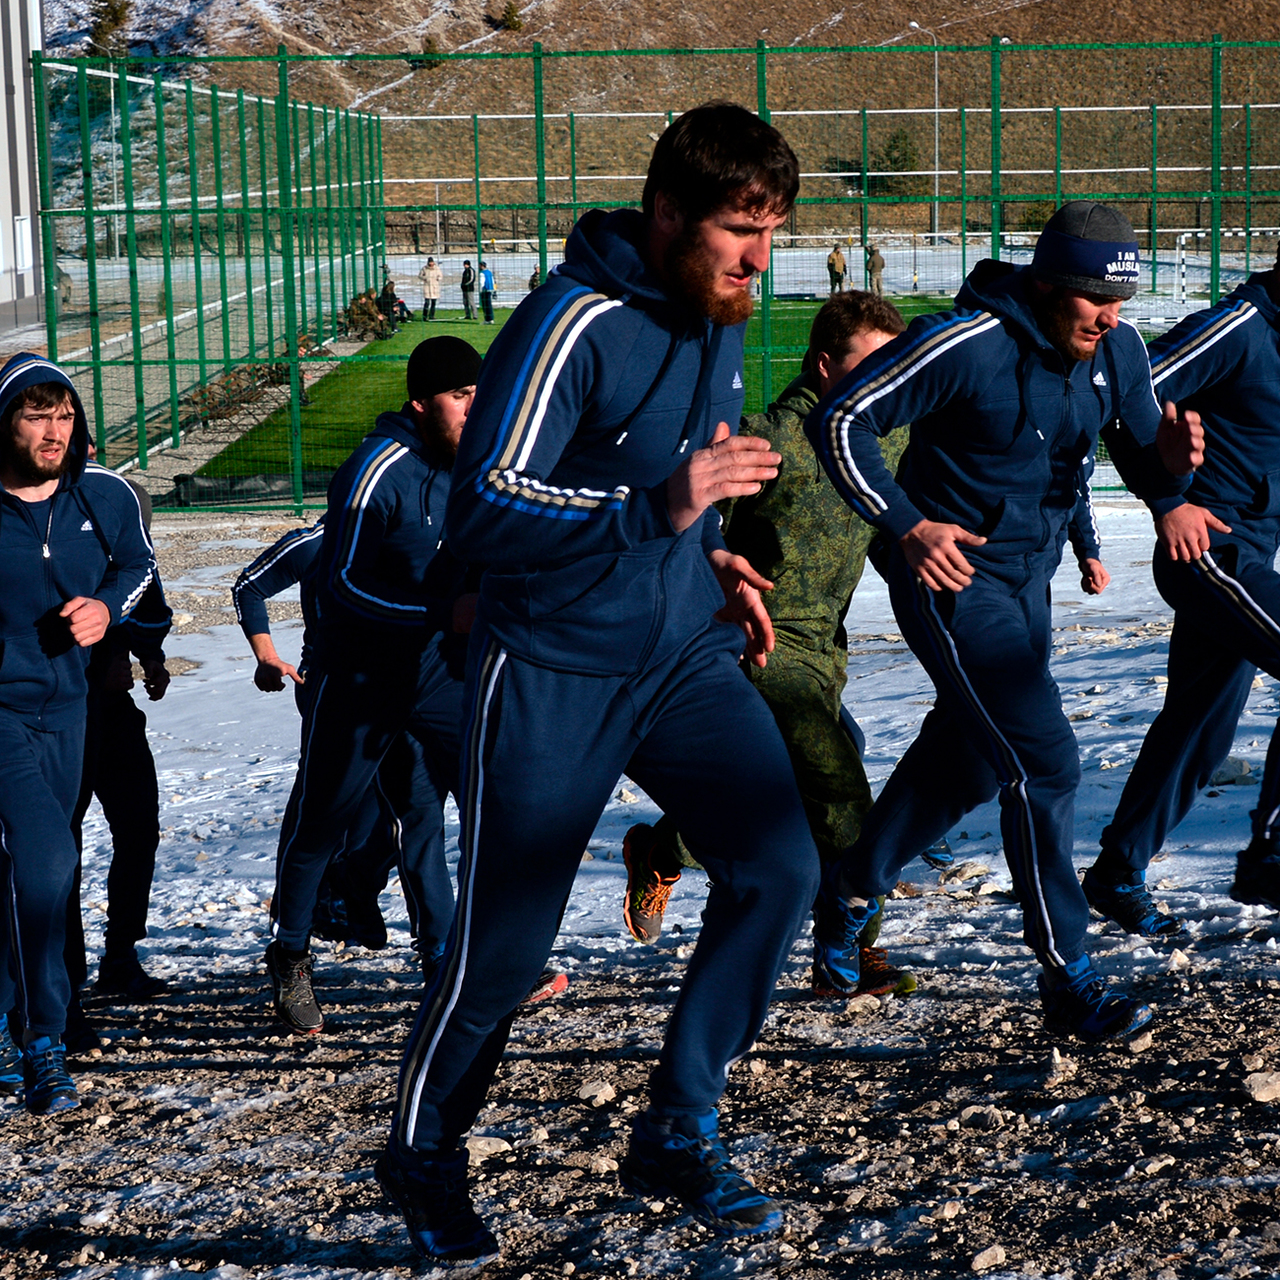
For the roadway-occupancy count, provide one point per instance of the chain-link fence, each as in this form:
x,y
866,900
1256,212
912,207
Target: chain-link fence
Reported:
x,y
212,243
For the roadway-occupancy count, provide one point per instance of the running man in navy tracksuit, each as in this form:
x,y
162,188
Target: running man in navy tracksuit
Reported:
x,y
1225,595
350,912
387,662
74,559
1006,395
596,447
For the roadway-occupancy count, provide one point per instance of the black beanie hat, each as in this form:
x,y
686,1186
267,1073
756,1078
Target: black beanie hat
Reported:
x,y
441,364
1091,247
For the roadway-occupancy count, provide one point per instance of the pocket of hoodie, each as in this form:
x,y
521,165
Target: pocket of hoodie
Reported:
x,y
1266,500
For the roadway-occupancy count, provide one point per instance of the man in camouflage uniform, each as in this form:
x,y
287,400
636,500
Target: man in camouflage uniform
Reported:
x,y
800,534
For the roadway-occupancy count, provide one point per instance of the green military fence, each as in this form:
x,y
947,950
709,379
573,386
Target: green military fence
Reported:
x,y
213,220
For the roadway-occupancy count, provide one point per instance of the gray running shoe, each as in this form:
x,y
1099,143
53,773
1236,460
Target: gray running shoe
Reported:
x,y
296,1004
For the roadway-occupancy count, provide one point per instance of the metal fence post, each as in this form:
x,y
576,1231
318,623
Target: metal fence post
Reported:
x,y
266,228
1248,185
299,217
964,193
286,265
865,209
48,231
247,230
766,281
1155,195
540,144
573,168
475,147
166,249
1215,247
91,261
334,311
997,212
315,222
131,233
193,174
1057,157
220,222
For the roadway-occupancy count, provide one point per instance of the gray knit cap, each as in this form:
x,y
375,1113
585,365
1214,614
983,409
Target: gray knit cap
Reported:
x,y
1091,247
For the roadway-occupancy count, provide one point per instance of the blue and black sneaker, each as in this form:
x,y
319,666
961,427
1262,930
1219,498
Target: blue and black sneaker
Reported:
x,y
433,1196
48,1086
1124,898
10,1060
837,940
1257,879
1076,1001
939,855
683,1158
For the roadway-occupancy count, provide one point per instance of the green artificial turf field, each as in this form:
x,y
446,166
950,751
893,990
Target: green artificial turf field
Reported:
x,y
344,403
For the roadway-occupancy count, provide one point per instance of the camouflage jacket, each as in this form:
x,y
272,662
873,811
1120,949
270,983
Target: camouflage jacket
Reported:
x,y
797,530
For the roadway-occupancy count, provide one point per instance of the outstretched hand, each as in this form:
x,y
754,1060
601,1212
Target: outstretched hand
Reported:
x,y
933,552
1180,440
729,467
743,604
1183,533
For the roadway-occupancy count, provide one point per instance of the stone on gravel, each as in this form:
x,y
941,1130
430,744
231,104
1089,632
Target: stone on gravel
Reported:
x,y
1263,1086
965,871
988,1258
597,1092
1234,770
981,1118
1061,1069
482,1148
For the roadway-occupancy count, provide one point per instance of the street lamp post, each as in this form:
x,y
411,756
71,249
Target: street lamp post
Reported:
x,y
933,219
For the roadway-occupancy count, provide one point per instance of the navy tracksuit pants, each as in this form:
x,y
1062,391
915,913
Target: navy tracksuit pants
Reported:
x,y
349,735
120,771
997,728
1226,624
39,782
542,752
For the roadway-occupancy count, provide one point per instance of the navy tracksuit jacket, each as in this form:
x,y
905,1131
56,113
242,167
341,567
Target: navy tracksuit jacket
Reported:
x,y
87,540
1225,363
384,663
1000,429
595,651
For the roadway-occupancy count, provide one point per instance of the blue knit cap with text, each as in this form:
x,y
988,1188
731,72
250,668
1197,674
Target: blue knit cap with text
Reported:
x,y
1091,247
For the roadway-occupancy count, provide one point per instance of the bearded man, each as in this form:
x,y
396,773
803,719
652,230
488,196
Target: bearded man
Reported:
x,y
75,559
598,442
1007,395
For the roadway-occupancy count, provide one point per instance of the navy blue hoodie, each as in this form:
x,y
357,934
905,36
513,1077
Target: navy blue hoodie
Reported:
x,y
595,391
382,585
1000,425
87,540
1225,363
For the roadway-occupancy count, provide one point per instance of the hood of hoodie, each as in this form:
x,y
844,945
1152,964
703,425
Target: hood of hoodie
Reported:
x,y
27,370
1001,289
401,428
605,252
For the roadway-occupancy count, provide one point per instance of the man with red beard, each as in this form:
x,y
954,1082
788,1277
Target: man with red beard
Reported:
x,y
74,560
596,446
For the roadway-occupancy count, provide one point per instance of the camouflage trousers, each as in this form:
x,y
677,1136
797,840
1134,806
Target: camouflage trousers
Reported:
x,y
802,687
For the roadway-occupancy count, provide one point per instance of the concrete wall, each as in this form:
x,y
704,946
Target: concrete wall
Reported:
x,y
21,279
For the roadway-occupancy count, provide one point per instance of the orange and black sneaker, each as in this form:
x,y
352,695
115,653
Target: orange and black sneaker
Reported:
x,y
877,977
648,892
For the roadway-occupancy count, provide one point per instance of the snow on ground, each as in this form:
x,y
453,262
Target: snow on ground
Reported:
x,y
225,755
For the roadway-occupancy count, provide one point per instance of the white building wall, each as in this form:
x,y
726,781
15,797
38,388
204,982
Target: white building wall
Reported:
x,y
21,279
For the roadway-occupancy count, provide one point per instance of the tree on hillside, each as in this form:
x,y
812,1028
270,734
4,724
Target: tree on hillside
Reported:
x,y
899,154
108,24
511,19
